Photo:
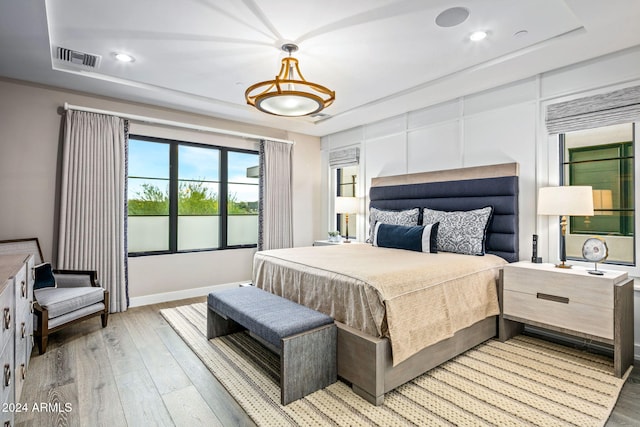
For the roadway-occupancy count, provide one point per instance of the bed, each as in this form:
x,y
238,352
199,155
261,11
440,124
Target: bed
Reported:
x,y
380,296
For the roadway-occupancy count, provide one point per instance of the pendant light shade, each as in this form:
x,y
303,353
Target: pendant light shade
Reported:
x,y
289,95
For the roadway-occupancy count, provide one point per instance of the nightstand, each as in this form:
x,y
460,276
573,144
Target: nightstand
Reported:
x,y
570,301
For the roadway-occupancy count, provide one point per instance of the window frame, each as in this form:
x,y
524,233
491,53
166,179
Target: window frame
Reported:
x,y
563,161
339,192
174,146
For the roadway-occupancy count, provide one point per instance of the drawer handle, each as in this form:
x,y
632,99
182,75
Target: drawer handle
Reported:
x,y
7,375
7,318
23,331
24,289
7,424
23,371
553,298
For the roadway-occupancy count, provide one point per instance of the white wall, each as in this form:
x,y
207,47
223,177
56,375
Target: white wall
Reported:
x,y
30,129
500,125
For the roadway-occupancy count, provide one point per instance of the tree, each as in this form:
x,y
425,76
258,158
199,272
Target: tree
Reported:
x,y
194,198
150,201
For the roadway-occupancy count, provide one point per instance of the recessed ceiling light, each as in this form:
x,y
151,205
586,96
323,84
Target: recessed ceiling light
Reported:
x,y
123,57
478,35
452,17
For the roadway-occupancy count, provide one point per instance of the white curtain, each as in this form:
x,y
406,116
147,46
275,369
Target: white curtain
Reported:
x,y
275,230
93,201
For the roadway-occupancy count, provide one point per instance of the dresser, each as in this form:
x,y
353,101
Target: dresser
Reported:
x,y
16,338
570,301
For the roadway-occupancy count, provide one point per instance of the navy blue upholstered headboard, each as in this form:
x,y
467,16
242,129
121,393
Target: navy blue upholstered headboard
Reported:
x,y
457,190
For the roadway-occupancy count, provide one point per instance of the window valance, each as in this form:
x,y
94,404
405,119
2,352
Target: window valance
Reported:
x,y
620,106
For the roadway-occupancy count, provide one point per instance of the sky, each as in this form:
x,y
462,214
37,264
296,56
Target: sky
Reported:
x,y
151,160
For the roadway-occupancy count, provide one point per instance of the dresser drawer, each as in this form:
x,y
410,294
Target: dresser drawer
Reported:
x,y
6,373
560,312
578,287
20,363
21,289
7,314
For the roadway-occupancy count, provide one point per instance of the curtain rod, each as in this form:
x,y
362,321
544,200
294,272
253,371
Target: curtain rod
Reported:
x,y
172,123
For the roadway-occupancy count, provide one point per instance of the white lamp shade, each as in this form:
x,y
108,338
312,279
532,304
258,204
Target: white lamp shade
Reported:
x,y
346,205
569,200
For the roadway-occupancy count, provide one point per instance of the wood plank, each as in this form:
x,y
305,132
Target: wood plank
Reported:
x,y
188,408
214,394
141,403
166,373
122,352
98,395
57,406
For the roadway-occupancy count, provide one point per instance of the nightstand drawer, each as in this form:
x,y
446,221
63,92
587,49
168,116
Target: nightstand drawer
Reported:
x,y
559,310
578,287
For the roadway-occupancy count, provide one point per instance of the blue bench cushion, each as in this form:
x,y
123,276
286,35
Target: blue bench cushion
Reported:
x,y
265,314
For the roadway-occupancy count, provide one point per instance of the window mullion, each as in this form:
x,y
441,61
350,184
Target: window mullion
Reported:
x,y
224,192
173,197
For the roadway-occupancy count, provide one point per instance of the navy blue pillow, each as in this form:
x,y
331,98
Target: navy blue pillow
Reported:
x,y
419,238
44,277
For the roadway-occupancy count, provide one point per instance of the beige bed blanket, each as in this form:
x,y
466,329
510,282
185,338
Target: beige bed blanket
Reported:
x,y
415,299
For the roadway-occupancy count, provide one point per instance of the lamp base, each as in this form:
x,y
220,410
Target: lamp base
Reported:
x,y
563,265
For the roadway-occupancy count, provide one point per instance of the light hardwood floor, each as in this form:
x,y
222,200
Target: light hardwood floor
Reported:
x,y
139,372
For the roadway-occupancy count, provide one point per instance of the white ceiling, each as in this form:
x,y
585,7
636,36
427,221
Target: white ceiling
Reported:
x,y
382,57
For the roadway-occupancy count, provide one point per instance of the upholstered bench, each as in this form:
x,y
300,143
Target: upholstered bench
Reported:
x,y
304,338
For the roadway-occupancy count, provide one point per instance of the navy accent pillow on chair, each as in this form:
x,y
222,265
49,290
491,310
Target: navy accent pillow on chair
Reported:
x,y
44,276
417,238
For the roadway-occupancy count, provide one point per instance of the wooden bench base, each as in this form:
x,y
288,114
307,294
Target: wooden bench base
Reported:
x,y
307,359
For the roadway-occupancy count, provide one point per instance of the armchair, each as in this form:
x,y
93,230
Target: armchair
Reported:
x,y
77,295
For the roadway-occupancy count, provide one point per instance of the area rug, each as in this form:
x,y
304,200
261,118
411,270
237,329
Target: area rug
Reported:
x,y
524,381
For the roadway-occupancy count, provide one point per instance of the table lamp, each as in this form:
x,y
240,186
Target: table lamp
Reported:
x,y
569,200
346,205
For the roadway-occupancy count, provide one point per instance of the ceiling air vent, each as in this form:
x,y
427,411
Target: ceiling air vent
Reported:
x,y
76,57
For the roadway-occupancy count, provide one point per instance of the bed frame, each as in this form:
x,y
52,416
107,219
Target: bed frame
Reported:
x,y
365,361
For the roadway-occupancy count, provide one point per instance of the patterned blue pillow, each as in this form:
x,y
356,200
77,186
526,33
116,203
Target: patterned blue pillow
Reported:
x,y
407,217
461,232
419,238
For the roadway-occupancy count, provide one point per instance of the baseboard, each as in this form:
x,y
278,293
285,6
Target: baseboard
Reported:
x,y
178,295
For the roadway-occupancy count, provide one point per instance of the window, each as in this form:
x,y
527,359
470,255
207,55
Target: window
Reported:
x,y
346,186
186,197
604,159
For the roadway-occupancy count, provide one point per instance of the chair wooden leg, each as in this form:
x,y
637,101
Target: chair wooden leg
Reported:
x,y
41,342
105,316
41,334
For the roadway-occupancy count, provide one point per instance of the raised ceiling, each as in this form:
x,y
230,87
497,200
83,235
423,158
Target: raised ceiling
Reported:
x,y
382,57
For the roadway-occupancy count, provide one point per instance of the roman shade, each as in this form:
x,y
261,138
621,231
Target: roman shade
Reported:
x,y
620,106
345,157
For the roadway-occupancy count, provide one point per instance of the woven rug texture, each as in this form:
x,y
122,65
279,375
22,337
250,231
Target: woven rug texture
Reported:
x,y
521,382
